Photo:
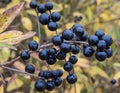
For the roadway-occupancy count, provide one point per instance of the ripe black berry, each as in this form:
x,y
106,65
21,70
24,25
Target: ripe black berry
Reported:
x,y
33,45
75,49
71,78
51,60
29,68
99,33
40,85
108,39
43,54
47,74
68,66
60,55
52,51
88,51
24,55
67,34
55,16
41,8
93,40
109,52
50,85
73,59
58,81
101,44
49,6
52,26
33,4
41,73
113,81
101,55
60,72
79,31
44,18
76,25
57,40
54,74
65,47
84,37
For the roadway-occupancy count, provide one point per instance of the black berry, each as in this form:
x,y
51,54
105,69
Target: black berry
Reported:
x,y
43,54
68,66
52,26
75,49
61,55
58,81
29,68
55,16
41,8
33,4
33,45
24,55
50,85
57,40
101,55
73,59
44,18
49,6
65,47
88,51
71,78
67,34
93,40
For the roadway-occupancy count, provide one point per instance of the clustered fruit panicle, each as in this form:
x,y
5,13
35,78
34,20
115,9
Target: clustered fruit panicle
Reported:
x,y
97,44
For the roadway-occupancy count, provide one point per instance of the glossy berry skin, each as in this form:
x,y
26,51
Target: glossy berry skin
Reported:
x,y
55,16
49,6
101,55
113,81
24,55
40,85
33,45
50,85
109,52
41,73
60,72
79,31
33,4
108,39
43,54
44,18
67,34
52,26
47,74
84,37
57,40
65,47
54,74
99,33
29,68
75,49
68,66
93,40
73,59
88,51
51,60
71,78
75,26
61,55
101,44
52,51
41,8
58,81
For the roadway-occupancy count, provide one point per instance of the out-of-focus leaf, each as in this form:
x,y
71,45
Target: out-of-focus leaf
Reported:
x,y
117,75
17,83
36,38
26,22
57,7
94,70
98,2
1,88
69,25
89,13
14,37
4,45
99,90
9,15
19,65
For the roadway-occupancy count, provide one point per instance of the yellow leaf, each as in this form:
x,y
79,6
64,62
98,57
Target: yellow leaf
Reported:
x,y
27,23
8,16
98,2
89,13
94,70
99,90
36,38
17,83
2,89
69,25
117,75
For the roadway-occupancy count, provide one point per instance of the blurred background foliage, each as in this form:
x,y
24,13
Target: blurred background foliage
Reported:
x,y
93,76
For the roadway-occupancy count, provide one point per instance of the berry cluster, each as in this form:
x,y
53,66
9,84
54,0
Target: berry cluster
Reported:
x,y
68,42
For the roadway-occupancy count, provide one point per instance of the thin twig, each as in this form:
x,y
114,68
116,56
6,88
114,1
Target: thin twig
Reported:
x,y
2,78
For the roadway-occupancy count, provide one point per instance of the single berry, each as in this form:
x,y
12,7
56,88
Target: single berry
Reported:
x,y
44,19
109,52
99,33
43,54
24,55
75,49
71,78
33,45
50,85
33,4
101,44
47,74
61,55
52,26
88,51
68,66
29,68
52,51
67,34
41,8
55,16
108,39
101,55
79,31
58,81
54,74
41,73
65,47
51,60
84,37
60,72
93,40
75,26
73,59
49,6
40,85
113,81
57,40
